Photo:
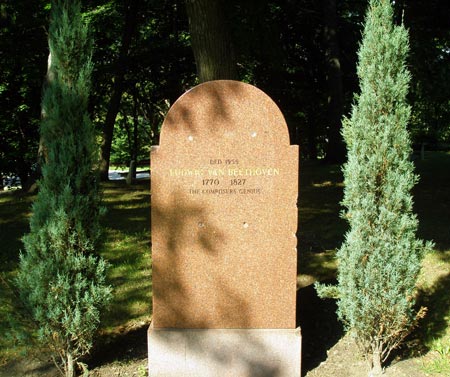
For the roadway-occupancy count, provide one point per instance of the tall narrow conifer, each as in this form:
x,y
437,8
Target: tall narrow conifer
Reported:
x,y
380,259
61,280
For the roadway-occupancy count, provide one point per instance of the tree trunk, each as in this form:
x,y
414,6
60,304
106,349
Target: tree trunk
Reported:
x,y
70,367
211,41
377,369
118,87
336,149
30,185
131,177
135,146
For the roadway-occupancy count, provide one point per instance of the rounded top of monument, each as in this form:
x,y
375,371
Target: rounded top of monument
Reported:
x,y
224,111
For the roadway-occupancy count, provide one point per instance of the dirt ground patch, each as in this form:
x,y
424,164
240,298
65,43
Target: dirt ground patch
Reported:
x,y
342,361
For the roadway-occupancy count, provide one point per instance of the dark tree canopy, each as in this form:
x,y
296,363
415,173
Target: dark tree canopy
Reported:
x,y
148,52
23,63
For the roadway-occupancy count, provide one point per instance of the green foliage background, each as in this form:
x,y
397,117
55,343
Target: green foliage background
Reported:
x,y
280,49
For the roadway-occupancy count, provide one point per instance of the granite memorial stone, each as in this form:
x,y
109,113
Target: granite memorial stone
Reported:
x,y
224,186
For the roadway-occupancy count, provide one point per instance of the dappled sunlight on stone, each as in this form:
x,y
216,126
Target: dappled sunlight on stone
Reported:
x,y
224,219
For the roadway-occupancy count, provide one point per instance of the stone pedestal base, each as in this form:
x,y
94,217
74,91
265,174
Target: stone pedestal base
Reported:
x,y
224,352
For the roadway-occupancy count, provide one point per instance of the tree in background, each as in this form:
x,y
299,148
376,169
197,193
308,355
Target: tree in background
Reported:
x,y
279,47
118,87
21,73
335,152
211,40
380,259
142,52
428,24
61,280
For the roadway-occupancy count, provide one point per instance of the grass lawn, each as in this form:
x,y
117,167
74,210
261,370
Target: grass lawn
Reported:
x,y
126,247
321,231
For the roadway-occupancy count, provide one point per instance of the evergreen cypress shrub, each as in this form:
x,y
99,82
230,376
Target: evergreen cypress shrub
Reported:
x,y
380,259
61,280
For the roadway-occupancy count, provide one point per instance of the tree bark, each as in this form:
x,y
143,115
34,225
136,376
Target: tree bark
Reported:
x,y
134,144
211,41
118,87
29,184
377,369
70,368
335,152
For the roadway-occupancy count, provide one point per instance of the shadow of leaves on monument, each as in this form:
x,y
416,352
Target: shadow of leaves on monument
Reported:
x,y
183,226
176,222
231,352
206,301
217,108
177,227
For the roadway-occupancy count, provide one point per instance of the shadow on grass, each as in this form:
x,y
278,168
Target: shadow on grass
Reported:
x,y
314,267
125,346
320,327
127,249
15,209
320,227
432,199
320,232
128,207
131,302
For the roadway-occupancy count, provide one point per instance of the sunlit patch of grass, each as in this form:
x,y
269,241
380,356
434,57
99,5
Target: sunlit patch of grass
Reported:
x,y
435,266
316,267
328,184
434,330
127,249
437,361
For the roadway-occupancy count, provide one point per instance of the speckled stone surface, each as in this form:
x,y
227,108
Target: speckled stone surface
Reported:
x,y
224,215
224,353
